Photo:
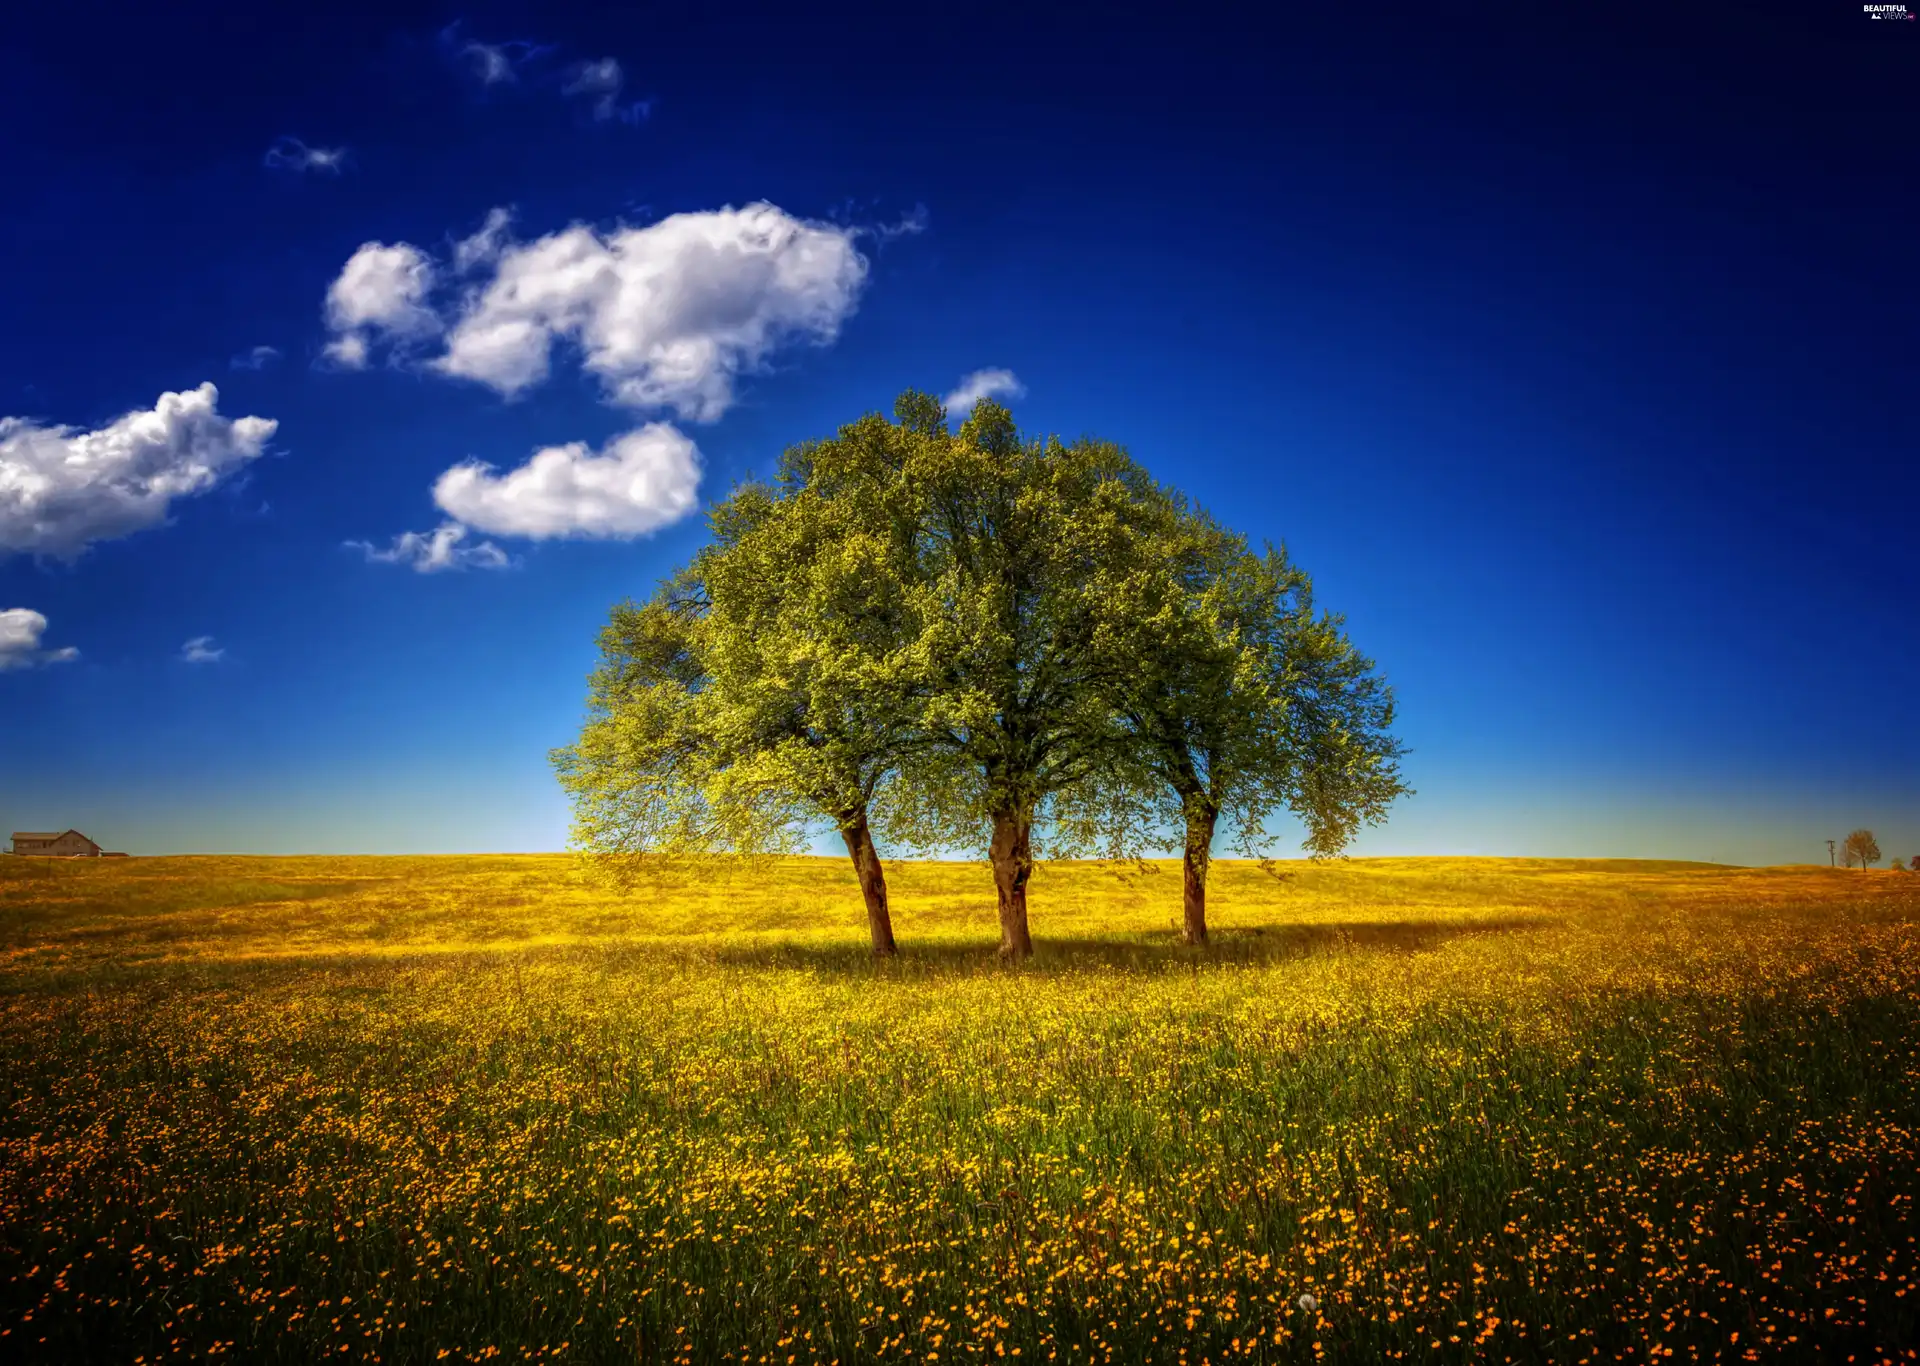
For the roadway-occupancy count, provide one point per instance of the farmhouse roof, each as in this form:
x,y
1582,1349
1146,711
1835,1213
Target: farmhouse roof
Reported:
x,y
45,834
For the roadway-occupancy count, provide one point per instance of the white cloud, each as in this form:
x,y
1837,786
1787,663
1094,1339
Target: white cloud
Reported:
x,y
430,552
983,384
668,316
598,84
912,222
20,632
381,290
291,154
602,78
490,62
61,489
259,358
200,650
349,351
601,82
641,481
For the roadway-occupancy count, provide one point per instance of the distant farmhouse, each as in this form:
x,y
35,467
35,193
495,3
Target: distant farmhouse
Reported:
x,y
66,844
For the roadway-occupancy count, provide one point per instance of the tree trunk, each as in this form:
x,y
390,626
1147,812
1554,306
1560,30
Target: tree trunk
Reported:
x,y
1012,866
1193,869
873,882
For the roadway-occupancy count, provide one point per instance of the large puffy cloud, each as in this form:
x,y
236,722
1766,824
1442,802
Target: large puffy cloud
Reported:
x,y
641,481
381,291
667,316
20,632
431,552
61,489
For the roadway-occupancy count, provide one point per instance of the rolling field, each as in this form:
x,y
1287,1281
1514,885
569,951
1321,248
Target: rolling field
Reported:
x,y
471,1109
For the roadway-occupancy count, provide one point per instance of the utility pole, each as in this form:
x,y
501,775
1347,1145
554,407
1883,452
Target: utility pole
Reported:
x,y
1830,862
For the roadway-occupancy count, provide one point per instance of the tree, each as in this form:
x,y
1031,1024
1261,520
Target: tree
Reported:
x,y
1860,849
1240,702
1008,553
638,775
930,632
748,699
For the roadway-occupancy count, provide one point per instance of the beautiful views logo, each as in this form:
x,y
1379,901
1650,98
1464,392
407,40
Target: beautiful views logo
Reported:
x,y
1888,12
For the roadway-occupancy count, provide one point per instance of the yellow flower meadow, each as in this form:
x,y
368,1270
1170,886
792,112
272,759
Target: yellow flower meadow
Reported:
x,y
477,1109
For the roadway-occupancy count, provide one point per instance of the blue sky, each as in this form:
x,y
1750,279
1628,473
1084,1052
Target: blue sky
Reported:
x,y
1574,355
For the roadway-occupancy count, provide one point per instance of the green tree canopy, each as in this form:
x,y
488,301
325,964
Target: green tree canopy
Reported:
x,y
639,775
1010,552
759,692
945,635
1239,702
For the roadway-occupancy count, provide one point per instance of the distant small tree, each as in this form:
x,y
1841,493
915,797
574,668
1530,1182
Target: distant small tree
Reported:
x,y
1860,850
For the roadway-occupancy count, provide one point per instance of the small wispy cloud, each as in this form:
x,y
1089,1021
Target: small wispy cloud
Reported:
x,y
494,63
291,154
490,62
860,219
200,650
912,222
992,383
601,82
259,358
433,551
484,246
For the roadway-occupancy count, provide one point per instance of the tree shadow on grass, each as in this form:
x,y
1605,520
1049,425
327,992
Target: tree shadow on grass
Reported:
x,y
1147,952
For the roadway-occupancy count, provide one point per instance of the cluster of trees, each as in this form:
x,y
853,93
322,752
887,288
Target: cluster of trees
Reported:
x,y
1861,850
935,638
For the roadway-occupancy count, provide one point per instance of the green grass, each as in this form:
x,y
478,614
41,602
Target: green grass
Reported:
x,y
1526,1110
